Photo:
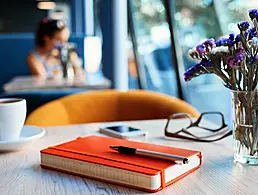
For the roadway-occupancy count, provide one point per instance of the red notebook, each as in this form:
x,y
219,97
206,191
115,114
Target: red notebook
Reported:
x,y
92,157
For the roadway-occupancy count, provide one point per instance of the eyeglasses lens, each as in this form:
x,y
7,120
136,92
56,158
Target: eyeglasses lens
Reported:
x,y
212,121
178,122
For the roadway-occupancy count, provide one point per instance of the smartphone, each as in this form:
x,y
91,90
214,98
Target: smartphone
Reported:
x,y
122,131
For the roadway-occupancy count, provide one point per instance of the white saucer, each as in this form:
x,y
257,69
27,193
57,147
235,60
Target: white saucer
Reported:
x,y
29,134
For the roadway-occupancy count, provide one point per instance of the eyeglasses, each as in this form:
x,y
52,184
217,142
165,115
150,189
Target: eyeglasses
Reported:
x,y
209,127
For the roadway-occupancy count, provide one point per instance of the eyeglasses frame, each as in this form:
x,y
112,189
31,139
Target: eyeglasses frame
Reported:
x,y
195,124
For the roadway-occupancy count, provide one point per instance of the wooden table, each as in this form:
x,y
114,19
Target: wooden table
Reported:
x,y
20,172
32,83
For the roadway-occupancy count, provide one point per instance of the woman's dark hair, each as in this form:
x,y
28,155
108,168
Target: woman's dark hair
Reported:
x,y
48,27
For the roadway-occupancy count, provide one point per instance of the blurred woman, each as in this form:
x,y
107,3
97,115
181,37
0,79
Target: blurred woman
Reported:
x,y
41,62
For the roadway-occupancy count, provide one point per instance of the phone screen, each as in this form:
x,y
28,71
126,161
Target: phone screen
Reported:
x,y
122,129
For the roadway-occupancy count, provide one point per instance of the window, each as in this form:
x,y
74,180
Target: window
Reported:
x,y
152,45
203,19
193,22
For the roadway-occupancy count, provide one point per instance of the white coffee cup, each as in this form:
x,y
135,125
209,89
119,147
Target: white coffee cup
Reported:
x,y
12,118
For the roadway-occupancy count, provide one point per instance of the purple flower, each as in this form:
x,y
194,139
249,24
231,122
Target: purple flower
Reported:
x,y
243,26
230,43
252,13
205,62
237,38
209,43
188,74
197,66
191,72
220,42
240,50
224,42
237,51
231,61
201,50
253,59
250,33
240,57
231,36
236,59
193,53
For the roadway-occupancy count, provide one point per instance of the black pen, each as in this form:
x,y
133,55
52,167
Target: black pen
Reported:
x,y
152,154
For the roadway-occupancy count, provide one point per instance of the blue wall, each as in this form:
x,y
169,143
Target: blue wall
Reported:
x,y
13,51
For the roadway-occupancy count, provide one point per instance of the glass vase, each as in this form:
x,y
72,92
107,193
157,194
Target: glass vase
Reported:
x,y
245,126
68,72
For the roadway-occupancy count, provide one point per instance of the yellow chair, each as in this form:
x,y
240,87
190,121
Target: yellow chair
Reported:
x,y
106,106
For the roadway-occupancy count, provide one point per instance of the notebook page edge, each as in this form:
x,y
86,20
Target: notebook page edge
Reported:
x,y
98,171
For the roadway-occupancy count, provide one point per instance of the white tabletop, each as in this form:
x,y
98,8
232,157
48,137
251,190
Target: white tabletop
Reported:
x,y
20,172
32,83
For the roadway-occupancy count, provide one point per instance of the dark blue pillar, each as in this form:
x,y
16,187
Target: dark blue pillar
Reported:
x,y
77,16
113,21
